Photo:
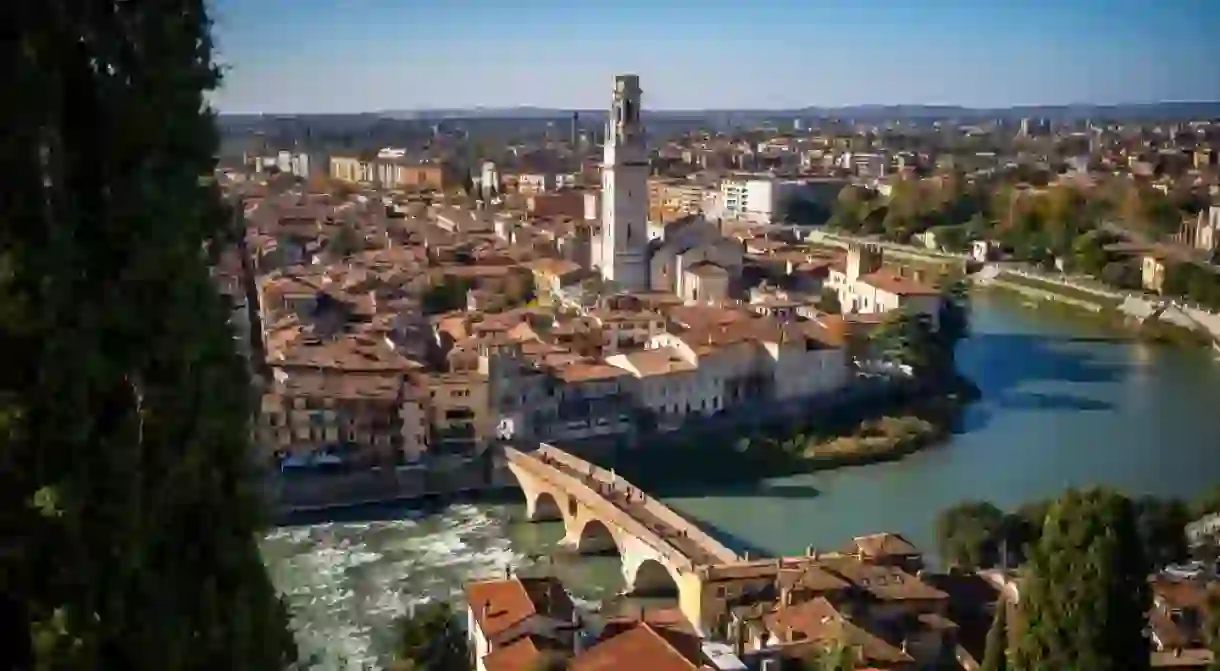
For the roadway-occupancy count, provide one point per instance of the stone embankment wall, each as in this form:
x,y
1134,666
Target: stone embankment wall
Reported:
x,y
1045,295
309,492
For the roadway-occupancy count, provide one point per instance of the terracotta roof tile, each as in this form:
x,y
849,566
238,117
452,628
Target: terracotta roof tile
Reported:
x,y
888,281
638,649
499,604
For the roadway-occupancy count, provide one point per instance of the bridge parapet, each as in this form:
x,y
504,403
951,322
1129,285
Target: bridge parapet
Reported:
x,y
715,551
601,507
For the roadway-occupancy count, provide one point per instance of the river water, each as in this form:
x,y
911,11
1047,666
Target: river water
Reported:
x,y
1066,401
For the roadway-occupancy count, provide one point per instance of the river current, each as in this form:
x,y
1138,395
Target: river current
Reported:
x,y
1066,401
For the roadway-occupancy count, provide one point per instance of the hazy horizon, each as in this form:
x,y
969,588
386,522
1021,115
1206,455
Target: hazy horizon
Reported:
x,y
330,56
694,110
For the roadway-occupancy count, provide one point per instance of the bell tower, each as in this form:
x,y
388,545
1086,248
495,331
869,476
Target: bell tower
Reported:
x,y
624,230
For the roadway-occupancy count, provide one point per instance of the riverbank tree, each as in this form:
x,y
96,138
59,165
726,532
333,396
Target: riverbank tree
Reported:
x,y
912,339
429,639
128,505
1085,597
977,534
970,534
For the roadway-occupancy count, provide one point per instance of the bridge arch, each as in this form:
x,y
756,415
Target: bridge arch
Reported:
x,y
595,537
652,577
544,509
541,504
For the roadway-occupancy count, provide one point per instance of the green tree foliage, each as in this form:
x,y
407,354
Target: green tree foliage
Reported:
x,y
1162,529
1122,274
850,209
1089,254
129,504
345,242
1196,283
968,534
446,295
429,639
954,317
1086,595
1207,504
1211,626
995,654
1062,218
1023,528
974,534
907,338
828,302
951,238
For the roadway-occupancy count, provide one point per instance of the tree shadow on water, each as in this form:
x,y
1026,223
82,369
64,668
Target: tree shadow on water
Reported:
x,y
751,490
999,363
1051,402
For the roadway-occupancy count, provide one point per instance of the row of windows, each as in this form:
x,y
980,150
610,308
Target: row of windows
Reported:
x,y
312,435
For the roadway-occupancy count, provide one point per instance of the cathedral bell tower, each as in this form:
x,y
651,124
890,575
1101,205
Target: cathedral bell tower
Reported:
x,y
624,225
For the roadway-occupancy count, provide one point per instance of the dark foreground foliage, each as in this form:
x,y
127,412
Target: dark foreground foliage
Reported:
x,y
128,516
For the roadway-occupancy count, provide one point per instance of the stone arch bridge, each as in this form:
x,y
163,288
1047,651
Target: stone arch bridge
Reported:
x,y
602,512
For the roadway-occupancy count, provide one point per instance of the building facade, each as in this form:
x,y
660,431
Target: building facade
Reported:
x,y
760,200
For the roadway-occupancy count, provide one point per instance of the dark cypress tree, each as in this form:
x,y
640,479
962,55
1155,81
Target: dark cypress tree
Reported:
x,y
995,656
1086,595
128,504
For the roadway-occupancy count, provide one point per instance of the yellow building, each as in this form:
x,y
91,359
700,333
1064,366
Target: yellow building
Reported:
x,y
352,169
358,418
457,411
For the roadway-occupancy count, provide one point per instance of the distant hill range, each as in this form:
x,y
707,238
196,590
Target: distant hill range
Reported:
x,y
1163,111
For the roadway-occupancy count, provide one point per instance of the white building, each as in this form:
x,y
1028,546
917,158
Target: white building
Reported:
x,y
624,198
713,366
1204,233
285,162
759,200
864,164
864,287
489,180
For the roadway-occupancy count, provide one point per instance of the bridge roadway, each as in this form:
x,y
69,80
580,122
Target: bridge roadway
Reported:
x,y
633,501
695,546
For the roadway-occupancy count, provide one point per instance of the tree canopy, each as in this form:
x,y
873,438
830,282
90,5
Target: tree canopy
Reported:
x,y
428,639
969,534
129,506
1086,595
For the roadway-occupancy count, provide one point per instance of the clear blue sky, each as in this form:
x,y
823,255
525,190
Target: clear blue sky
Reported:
x,y
370,55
